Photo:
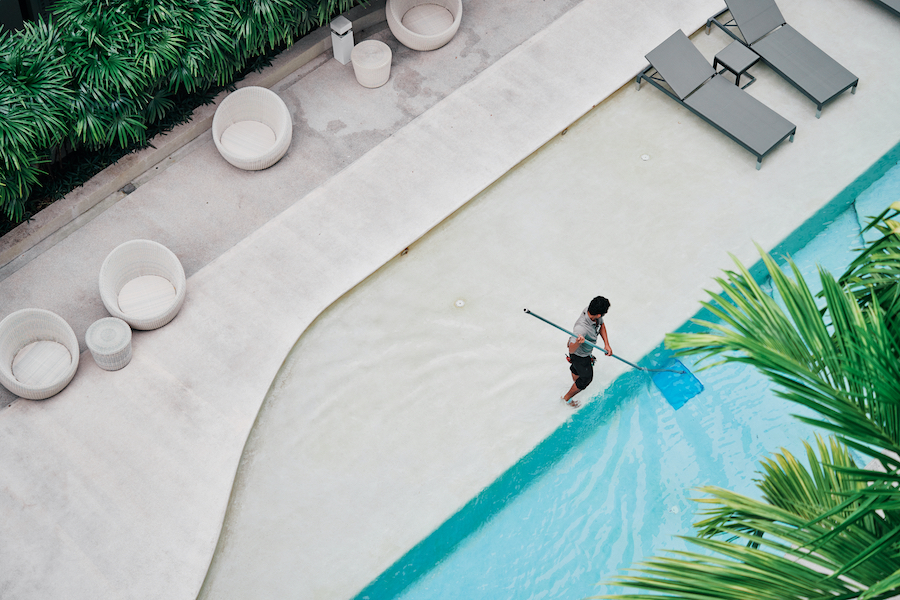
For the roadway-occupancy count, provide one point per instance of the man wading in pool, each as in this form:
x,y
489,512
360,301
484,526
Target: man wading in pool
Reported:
x,y
588,326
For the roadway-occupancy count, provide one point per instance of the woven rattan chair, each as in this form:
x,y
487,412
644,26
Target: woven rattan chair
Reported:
x,y
142,283
424,24
38,353
252,128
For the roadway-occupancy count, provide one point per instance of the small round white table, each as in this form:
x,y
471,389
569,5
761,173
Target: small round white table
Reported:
x,y
109,341
371,63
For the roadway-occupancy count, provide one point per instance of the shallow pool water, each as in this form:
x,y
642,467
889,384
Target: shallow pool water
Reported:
x,y
623,491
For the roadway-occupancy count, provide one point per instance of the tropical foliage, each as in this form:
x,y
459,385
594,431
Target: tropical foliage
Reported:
x,y
832,529
99,72
35,99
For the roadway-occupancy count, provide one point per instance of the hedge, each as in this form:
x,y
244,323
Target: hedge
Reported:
x,y
98,73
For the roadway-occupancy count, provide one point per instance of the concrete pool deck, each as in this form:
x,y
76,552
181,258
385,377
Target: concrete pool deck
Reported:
x,y
117,487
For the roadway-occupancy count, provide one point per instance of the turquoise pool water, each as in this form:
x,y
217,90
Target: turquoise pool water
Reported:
x,y
614,485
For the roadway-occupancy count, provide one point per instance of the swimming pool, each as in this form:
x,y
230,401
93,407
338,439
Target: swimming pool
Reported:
x,y
425,384
613,487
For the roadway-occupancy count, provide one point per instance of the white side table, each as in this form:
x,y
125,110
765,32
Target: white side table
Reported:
x,y
371,63
109,341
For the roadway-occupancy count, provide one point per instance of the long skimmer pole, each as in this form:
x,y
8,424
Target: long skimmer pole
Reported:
x,y
630,364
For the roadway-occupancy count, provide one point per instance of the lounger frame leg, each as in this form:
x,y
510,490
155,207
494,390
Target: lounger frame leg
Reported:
x,y
746,85
643,75
853,89
819,111
758,162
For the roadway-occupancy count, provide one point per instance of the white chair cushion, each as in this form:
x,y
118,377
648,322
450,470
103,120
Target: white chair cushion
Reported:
x,y
146,296
248,139
41,363
427,19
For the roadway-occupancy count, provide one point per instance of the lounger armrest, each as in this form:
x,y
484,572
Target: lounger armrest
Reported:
x,y
715,17
642,76
726,27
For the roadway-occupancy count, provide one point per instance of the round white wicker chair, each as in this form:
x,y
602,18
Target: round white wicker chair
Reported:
x,y
252,128
424,24
38,353
142,283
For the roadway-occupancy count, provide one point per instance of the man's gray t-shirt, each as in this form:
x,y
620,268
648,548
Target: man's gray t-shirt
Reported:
x,y
584,326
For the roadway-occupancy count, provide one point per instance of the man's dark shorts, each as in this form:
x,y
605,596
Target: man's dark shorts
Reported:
x,y
582,368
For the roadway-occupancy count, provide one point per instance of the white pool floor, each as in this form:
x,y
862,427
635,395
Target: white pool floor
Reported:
x,y
426,381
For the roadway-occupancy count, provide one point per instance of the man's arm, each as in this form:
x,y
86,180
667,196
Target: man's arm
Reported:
x,y
573,346
605,339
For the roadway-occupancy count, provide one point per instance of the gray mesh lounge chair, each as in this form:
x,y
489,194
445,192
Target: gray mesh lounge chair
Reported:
x,y
713,98
818,76
891,5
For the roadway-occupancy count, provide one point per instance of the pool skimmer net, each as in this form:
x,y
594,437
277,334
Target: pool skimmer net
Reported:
x,y
676,387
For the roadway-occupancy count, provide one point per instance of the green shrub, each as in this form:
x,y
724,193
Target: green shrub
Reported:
x,y
35,103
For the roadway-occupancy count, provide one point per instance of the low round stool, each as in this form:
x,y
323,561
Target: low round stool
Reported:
x,y
109,341
371,63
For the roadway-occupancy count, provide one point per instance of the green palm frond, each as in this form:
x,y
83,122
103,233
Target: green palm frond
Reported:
x,y
883,588
807,491
111,46
779,563
876,272
15,183
157,51
108,120
33,85
829,529
159,105
843,363
261,25
34,109
210,55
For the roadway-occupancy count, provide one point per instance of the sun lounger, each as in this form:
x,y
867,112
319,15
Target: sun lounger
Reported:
x,y
891,5
713,98
818,76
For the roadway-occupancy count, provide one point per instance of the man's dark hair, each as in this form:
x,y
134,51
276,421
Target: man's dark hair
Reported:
x,y
598,306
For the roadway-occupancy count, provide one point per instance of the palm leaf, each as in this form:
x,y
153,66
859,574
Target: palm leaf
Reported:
x,y
779,564
843,363
876,271
840,357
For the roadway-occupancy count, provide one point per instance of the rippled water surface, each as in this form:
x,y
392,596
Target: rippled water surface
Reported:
x,y
624,491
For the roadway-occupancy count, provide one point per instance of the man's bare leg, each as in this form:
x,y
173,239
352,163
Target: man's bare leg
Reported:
x,y
572,391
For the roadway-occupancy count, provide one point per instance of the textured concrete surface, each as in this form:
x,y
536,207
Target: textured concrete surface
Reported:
x,y
201,206
117,487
